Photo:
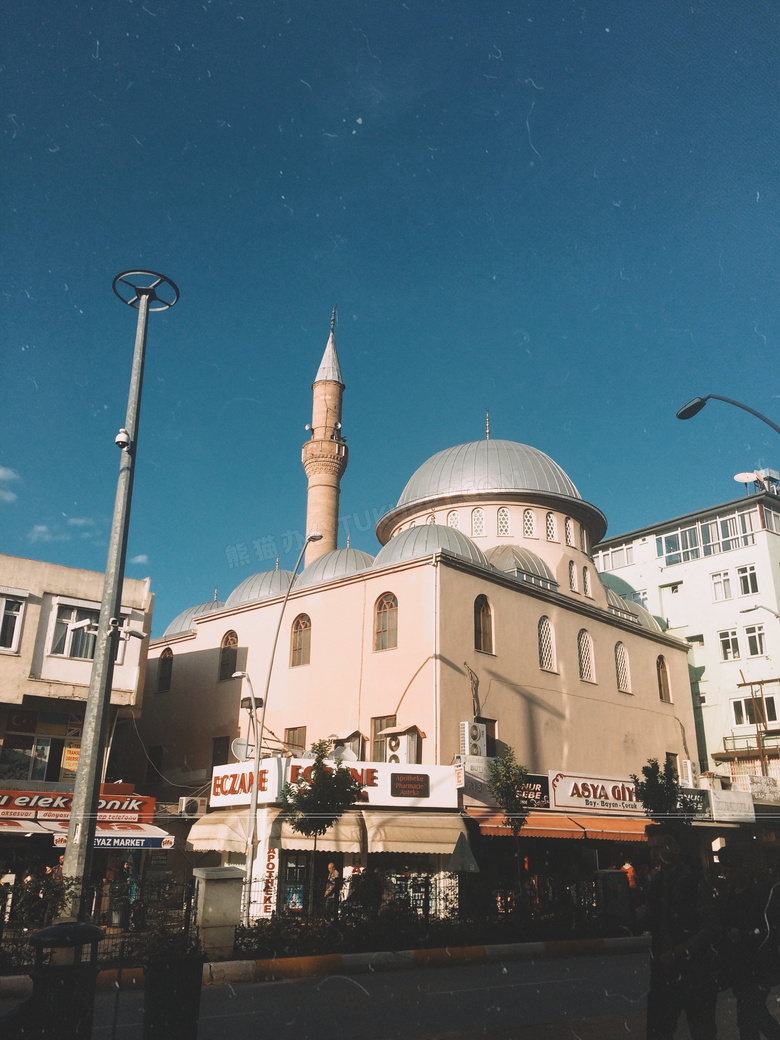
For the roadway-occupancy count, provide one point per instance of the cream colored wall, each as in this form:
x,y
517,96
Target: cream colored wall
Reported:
x,y
31,671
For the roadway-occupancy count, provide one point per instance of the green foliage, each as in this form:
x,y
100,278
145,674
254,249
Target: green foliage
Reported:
x,y
660,793
507,778
313,804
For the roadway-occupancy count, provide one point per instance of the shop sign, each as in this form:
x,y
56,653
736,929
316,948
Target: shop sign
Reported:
x,y
473,780
55,805
695,802
732,806
587,793
383,783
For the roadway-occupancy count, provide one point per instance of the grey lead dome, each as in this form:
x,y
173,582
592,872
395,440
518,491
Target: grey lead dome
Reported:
x,y
488,465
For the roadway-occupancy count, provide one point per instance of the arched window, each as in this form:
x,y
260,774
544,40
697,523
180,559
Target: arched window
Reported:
x,y
585,656
546,645
622,669
483,625
583,539
586,581
572,576
569,526
663,680
502,527
431,519
228,655
453,520
551,527
529,524
477,523
165,670
386,622
300,646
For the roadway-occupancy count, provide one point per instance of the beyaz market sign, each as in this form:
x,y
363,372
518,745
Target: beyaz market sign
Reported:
x,y
382,783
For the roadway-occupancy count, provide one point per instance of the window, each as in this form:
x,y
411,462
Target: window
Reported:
x,y
295,739
585,655
546,645
165,670
586,581
154,757
622,669
386,622
673,760
729,645
378,743
748,581
529,524
662,672
477,523
755,640
749,711
431,519
583,539
300,650
721,586
551,527
75,632
503,522
483,625
220,746
453,520
772,520
678,546
11,610
572,576
569,527
228,655
611,559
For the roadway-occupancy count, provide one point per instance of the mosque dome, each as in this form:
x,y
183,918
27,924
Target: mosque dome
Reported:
x,y
338,563
426,540
259,586
513,559
183,622
629,610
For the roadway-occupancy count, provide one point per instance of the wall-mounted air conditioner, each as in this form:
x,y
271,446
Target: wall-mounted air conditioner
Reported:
x,y
690,773
191,808
402,748
473,739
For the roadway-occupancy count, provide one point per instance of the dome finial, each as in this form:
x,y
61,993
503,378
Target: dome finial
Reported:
x,y
216,597
487,424
333,320
277,563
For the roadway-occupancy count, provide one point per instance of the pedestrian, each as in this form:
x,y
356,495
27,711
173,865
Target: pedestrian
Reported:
x,y
680,913
750,956
332,887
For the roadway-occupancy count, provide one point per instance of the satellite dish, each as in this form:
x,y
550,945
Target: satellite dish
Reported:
x,y
242,749
744,478
344,754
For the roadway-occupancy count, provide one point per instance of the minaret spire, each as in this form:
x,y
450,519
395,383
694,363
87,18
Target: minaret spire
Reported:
x,y
487,424
325,455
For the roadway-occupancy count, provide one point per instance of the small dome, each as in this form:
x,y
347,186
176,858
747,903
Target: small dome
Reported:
x,y
339,563
260,586
183,622
629,610
487,466
513,558
425,540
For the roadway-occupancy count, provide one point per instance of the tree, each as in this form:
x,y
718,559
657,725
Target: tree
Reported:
x,y
507,783
318,798
661,796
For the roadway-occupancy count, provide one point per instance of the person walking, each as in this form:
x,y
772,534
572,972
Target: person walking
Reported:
x,y
750,955
680,913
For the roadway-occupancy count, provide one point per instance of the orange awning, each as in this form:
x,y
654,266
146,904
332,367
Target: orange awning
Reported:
x,y
605,828
537,825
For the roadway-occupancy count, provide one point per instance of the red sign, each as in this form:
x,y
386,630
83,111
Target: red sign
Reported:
x,y
116,803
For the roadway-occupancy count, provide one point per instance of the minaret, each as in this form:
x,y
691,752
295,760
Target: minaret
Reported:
x,y
325,455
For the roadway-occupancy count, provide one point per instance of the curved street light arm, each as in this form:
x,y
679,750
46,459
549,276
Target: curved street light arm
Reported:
x,y
696,405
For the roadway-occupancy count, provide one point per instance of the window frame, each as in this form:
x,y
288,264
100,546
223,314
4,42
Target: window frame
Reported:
x,y
729,645
300,641
379,744
165,671
622,667
386,632
228,655
529,523
295,739
11,595
721,580
748,580
478,522
758,635
484,639
573,577
545,629
503,520
662,677
585,656
767,704
551,527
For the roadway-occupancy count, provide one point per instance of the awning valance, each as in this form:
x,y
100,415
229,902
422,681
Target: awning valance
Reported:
x,y
226,831
9,828
116,835
435,833
556,825
605,828
347,834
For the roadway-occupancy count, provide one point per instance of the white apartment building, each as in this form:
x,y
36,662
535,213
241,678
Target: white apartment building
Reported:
x,y
712,578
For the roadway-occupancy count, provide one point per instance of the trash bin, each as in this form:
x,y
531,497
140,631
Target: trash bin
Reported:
x,y
172,996
63,995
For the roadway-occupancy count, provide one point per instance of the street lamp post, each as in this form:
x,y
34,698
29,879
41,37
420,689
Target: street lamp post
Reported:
x,y
695,406
146,291
252,840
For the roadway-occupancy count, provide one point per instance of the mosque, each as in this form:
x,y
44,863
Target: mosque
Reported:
x,y
481,624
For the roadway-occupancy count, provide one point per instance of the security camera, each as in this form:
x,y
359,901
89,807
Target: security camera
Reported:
x,y
122,439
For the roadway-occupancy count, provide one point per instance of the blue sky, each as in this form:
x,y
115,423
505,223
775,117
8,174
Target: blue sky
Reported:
x,y
564,212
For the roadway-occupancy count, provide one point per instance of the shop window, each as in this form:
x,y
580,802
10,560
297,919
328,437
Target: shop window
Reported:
x,y
483,625
622,668
585,656
662,672
165,670
228,655
546,645
502,521
386,622
379,743
300,649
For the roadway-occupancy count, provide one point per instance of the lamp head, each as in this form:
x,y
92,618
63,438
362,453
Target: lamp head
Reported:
x,y
315,536
238,675
692,408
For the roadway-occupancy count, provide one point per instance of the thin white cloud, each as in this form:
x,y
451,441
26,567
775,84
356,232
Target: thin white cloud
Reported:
x,y
143,558
8,474
43,533
80,521
7,496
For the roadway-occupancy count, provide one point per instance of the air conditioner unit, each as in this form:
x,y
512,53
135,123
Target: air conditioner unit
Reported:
x,y
402,748
690,773
473,739
193,807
